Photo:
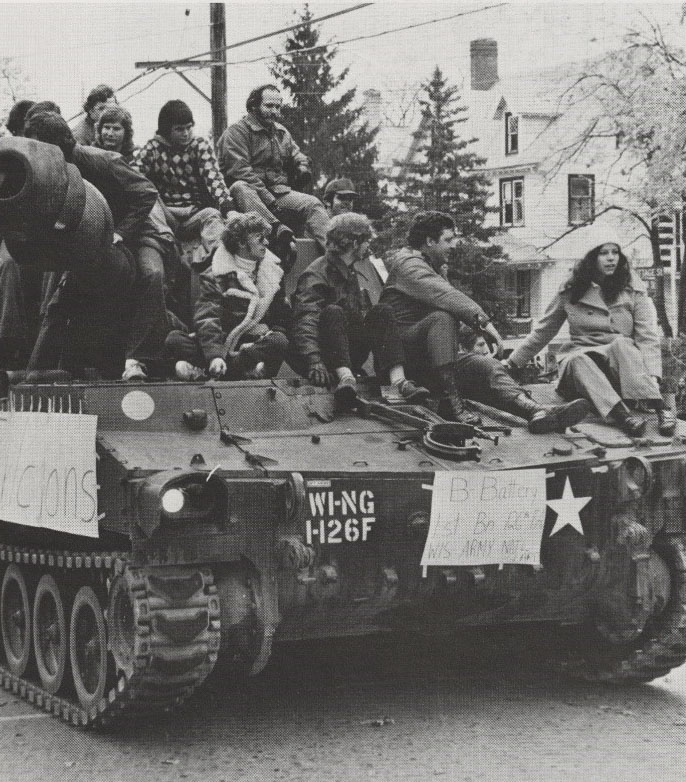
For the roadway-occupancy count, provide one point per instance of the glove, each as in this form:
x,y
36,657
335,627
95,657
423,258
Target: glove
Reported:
x,y
217,367
319,375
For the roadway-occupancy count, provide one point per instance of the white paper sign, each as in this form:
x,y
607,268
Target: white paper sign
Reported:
x,y
486,518
47,471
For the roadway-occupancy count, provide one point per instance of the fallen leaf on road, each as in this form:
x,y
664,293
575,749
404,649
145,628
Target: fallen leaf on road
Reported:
x,y
378,722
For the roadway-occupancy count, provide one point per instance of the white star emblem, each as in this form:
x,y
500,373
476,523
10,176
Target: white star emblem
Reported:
x,y
567,509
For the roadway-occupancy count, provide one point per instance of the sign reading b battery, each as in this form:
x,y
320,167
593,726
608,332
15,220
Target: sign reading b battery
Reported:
x,y
340,516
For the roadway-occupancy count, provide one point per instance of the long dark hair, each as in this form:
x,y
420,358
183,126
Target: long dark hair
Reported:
x,y
585,272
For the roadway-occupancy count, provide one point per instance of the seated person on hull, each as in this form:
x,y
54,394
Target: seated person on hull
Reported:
x,y
257,154
241,314
99,98
184,170
114,133
131,198
429,311
335,324
613,351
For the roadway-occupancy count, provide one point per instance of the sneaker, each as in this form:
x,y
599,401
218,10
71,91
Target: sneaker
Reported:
x,y
134,370
186,371
346,390
412,393
558,418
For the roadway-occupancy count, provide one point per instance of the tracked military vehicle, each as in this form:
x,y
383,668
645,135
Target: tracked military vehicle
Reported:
x,y
215,519
148,530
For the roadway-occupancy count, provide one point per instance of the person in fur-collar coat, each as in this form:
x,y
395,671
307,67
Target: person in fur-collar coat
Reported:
x,y
241,315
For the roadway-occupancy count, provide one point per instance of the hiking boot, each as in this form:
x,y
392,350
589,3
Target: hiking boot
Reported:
x,y
346,390
186,371
458,411
666,422
134,370
412,393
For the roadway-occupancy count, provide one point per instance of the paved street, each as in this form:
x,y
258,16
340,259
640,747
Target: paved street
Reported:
x,y
343,712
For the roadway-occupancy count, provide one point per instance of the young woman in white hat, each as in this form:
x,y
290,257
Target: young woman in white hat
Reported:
x,y
613,352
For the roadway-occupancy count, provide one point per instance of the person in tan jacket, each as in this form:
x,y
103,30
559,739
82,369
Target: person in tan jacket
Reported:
x,y
613,351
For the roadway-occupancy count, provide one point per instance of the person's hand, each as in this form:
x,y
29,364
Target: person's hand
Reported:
x,y
217,367
259,330
117,238
491,331
319,375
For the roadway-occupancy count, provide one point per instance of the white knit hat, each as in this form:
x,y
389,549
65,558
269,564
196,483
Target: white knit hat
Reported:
x,y
591,236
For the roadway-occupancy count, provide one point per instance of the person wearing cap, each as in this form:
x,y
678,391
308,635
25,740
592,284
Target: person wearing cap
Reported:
x,y
340,196
613,351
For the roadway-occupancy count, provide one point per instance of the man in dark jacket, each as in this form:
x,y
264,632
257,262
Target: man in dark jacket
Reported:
x,y
241,315
256,156
429,312
335,324
130,197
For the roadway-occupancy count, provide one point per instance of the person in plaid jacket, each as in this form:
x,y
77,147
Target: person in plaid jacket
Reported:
x,y
184,170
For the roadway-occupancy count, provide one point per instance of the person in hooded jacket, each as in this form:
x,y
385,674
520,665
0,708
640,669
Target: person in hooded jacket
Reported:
x,y
613,352
241,314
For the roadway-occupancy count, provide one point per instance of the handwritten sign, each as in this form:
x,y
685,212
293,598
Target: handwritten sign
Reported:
x,y
47,471
486,518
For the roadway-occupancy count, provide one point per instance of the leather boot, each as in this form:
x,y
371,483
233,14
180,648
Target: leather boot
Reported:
x,y
631,425
544,420
453,398
666,422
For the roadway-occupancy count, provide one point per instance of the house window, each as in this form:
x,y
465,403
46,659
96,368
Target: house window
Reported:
x,y
581,198
523,293
511,134
511,202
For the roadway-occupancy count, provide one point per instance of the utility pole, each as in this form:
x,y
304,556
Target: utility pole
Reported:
x,y
218,46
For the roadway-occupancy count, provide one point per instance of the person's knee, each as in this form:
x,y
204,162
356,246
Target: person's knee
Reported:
x,y
240,190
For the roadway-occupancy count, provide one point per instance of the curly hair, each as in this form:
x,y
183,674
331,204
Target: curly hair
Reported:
x,y
585,272
239,226
123,117
428,225
345,229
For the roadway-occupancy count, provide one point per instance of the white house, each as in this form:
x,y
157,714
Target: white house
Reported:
x,y
543,185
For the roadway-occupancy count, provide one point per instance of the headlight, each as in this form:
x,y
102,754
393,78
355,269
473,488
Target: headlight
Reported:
x,y
173,500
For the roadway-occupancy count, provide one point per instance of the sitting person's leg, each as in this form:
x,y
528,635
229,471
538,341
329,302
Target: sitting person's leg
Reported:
x,y
259,359
306,208
484,379
184,350
342,347
586,375
389,355
433,341
149,322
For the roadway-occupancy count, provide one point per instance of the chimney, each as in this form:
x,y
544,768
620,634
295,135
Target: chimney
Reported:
x,y
372,107
484,60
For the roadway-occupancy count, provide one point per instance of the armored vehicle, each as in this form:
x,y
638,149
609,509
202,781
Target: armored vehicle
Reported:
x,y
148,529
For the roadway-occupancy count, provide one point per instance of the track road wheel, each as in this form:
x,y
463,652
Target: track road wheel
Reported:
x,y
15,617
50,634
88,648
122,626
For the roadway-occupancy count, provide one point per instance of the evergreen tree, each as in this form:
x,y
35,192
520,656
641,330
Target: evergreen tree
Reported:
x,y
444,175
329,130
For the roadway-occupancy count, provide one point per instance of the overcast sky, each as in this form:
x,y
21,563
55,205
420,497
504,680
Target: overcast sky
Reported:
x,y
66,48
